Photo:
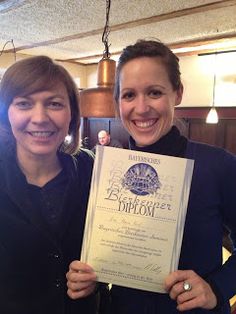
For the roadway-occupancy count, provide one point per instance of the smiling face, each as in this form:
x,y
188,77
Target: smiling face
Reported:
x,y
147,99
40,121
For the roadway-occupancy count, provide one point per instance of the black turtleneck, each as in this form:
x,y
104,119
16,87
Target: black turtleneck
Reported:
x,y
171,144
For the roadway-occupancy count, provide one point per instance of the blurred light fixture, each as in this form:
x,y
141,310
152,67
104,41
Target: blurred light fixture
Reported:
x,y
98,101
212,116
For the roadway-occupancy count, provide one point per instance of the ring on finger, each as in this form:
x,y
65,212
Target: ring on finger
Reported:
x,y
187,286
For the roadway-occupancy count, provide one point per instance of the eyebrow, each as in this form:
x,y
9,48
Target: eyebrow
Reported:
x,y
49,98
56,96
149,86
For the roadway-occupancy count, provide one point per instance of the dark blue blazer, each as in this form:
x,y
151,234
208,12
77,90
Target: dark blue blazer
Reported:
x,y
212,204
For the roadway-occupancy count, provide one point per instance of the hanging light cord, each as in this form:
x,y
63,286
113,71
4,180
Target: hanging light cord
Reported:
x,y
106,53
214,83
14,49
212,116
213,95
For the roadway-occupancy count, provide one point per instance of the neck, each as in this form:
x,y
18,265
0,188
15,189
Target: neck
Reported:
x,y
39,169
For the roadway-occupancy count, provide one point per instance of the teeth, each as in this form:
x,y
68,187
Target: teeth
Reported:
x,y
145,124
41,133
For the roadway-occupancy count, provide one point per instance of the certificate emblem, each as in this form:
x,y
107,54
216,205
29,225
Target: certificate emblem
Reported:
x,y
141,179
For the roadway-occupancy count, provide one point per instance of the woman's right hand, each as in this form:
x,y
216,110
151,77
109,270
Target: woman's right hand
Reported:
x,y
199,295
81,280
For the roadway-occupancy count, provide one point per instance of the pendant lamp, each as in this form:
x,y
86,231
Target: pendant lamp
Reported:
x,y
98,102
212,116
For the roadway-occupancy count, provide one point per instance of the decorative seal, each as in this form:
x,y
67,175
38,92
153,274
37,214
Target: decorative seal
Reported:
x,y
141,179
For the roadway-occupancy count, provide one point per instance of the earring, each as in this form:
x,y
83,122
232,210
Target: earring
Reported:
x,y
68,139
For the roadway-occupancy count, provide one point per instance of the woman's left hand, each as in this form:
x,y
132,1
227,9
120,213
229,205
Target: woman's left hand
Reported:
x,y
197,292
81,280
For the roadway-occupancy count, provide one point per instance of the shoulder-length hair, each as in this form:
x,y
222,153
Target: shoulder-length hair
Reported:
x,y
32,75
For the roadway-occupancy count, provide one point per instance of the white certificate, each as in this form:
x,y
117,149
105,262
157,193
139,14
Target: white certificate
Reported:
x,y
136,215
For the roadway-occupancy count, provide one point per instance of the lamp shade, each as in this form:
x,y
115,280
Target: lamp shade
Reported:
x,y
212,116
98,101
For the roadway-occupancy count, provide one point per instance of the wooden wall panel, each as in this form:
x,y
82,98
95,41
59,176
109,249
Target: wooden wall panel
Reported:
x,y
201,132
222,134
118,132
230,136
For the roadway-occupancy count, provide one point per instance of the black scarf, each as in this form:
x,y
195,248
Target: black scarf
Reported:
x,y
171,144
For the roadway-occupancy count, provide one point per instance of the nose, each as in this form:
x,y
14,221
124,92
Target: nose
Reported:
x,y
142,105
39,113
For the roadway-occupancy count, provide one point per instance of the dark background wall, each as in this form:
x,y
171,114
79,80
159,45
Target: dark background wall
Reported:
x,y
191,123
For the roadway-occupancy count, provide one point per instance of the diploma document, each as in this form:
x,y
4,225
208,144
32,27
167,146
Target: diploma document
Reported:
x,y
135,217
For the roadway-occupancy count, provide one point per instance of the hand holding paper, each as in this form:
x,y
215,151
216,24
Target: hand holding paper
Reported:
x,y
136,216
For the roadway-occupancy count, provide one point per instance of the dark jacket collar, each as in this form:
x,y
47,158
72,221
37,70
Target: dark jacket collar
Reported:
x,y
13,183
171,144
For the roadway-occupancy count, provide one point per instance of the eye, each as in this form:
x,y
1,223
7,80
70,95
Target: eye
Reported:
x,y
155,93
55,105
23,105
129,95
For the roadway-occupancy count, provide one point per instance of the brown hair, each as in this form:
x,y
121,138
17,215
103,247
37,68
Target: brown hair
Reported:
x,y
32,75
153,49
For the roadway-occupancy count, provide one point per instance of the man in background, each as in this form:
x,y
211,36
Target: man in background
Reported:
x,y
105,139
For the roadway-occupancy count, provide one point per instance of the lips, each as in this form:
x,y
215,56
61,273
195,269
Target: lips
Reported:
x,y
144,124
41,134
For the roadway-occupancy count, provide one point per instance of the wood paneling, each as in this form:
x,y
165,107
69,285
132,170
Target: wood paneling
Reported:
x,y
230,136
191,124
201,112
222,134
202,132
